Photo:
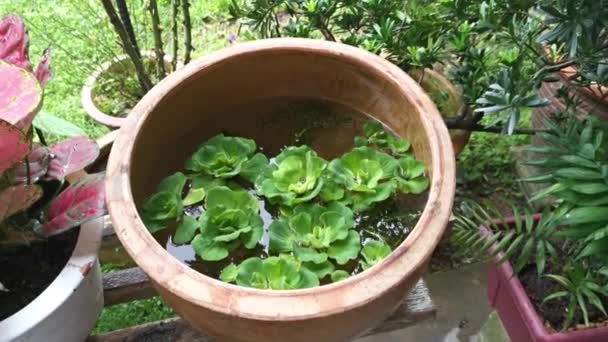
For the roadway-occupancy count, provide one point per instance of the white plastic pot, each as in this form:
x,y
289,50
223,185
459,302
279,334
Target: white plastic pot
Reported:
x,y
68,309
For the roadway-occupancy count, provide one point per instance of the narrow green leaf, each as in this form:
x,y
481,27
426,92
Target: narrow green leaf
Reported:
x,y
526,251
555,295
586,215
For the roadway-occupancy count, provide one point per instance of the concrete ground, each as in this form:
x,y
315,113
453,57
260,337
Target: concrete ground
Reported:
x,y
462,309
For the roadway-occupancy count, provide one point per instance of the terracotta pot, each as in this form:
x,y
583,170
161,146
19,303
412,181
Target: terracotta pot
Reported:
x,y
157,139
517,313
592,100
433,82
68,309
87,96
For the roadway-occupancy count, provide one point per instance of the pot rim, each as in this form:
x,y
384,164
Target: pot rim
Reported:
x,y
73,274
167,272
86,95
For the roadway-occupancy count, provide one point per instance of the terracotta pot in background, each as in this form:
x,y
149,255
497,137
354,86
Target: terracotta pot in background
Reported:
x,y
517,313
592,100
434,81
87,96
157,139
68,309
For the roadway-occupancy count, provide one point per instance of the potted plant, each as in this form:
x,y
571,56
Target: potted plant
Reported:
x,y
116,86
549,279
280,74
51,275
579,60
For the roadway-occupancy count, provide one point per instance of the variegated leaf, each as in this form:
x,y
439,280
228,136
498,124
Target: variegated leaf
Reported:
x,y
43,71
71,155
14,42
77,204
20,95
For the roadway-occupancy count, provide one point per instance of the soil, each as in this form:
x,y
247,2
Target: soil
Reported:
x,y
27,272
553,312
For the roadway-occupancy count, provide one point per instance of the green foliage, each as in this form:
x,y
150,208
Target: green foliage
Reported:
x,y
339,275
165,206
54,125
376,136
131,314
580,287
366,174
410,177
227,157
492,44
522,241
282,272
294,177
313,233
231,220
373,252
577,171
316,229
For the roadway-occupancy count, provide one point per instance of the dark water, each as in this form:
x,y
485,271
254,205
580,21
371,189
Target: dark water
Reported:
x,y
328,128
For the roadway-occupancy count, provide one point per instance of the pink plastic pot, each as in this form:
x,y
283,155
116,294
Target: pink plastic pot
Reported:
x,y
523,324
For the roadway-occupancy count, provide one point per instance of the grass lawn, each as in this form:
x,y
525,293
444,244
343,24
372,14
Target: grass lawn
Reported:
x,y
81,38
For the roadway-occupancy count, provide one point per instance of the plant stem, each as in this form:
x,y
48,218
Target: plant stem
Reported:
x,y
158,40
174,10
187,30
325,31
278,25
40,136
142,76
125,17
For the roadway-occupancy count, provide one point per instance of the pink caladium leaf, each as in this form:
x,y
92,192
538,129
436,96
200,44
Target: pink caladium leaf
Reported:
x,y
43,71
17,198
77,204
38,160
71,155
13,146
14,42
20,95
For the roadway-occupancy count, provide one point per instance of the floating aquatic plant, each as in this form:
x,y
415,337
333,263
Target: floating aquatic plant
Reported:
x,y
314,239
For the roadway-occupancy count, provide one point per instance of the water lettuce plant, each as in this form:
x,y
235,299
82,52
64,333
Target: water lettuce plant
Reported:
x,y
282,272
165,206
366,174
227,157
231,220
376,135
314,233
410,177
294,177
373,252
313,237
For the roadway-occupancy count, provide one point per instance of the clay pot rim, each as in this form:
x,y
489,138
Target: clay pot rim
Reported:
x,y
361,288
86,95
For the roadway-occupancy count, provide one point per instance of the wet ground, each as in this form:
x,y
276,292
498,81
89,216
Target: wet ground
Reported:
x,y
462,309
